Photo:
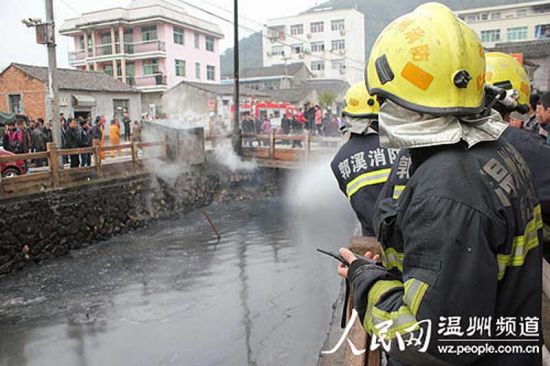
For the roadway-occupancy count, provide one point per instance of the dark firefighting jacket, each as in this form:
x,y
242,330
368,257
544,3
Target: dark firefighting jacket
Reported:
x,y
361,168
462,240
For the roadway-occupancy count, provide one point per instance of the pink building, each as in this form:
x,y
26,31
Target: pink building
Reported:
x,y
161,45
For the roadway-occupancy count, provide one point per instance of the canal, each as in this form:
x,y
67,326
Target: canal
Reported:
x,y
172,295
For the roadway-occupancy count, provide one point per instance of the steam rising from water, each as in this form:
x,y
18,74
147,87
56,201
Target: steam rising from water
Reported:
x,y
226,156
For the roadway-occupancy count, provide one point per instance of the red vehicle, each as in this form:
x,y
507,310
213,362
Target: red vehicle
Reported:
x,y
12,168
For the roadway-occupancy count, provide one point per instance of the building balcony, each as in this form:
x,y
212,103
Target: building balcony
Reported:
x,y
154,82
132,51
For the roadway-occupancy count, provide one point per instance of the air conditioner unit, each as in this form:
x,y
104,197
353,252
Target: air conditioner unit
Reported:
x,y
308,35
342,52
342,70
301,55
342,31
268,54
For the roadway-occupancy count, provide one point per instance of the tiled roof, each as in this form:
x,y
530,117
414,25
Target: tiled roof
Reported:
x,y
222,89
69,79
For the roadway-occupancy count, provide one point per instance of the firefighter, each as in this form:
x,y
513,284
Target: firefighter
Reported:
x,y
504,71
361,166
467,229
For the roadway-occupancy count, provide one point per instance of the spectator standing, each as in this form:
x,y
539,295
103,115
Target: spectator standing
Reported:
x,y
39,138
127,121
86,140
114,135
98,133
136,131
73,141
26,136
318,119
48,131
13,139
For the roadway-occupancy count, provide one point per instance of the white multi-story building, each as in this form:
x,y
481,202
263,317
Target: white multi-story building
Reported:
x,y
330,42
522,29
526,21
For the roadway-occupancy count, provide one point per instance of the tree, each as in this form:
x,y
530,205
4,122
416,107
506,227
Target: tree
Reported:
x,y
326,99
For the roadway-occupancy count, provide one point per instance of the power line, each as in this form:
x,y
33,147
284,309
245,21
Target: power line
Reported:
x,y
362,62
255,31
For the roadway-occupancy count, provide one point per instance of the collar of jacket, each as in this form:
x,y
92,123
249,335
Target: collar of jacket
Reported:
x,y
359,126
402,128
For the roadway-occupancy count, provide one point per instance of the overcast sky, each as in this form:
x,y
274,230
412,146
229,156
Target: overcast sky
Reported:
x,y
17,42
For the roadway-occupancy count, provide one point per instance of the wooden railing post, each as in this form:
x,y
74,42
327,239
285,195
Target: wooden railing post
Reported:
x,y
165,147
272,144
134,155
307,145
97,157
53,163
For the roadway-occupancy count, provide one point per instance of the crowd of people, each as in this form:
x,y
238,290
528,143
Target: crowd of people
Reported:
x,y
29,136
310,117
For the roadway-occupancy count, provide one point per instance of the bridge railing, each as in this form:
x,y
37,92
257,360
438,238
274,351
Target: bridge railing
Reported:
x,y
127,158
285,147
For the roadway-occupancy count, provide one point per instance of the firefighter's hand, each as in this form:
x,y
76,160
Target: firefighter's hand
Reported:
x,y
350,258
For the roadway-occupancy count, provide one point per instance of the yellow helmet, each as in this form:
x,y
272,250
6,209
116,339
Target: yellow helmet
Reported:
x,y
359,103
429,61
507,73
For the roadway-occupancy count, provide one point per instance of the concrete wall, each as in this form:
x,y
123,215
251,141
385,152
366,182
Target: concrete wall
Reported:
x,y
104,103
49,224
186,102
541,78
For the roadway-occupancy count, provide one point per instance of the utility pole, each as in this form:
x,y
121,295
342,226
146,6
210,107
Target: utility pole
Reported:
x,y
53,89
236,140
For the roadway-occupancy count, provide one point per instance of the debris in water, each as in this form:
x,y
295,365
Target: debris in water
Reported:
x,y
212,225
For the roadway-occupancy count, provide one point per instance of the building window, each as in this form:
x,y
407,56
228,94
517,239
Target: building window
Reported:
x,y
337,25
149,33
521,12
338,45
471,18
108,69
517,33
317,65
180,67
151,67
495,16
492,35
210,72
317,27
197,40
317,46
275,33
179,36
484,16
339,64
297,48
542,31
296,29
209,43
277,51
15,103
81,42
197,70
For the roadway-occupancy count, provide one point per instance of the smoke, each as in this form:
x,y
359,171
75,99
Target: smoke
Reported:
x,y
168,171
226,156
